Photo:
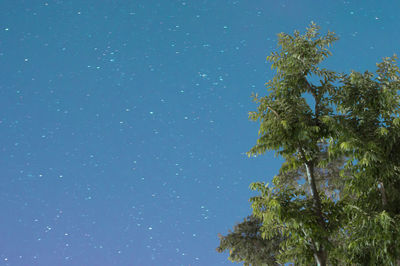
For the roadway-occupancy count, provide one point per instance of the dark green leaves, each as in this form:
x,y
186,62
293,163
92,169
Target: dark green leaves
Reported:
x,y
245,244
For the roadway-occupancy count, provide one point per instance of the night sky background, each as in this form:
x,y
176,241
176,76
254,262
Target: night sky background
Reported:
x,y
124,124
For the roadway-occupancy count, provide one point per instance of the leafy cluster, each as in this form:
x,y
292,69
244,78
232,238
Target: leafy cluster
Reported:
x,y
336,198
247,245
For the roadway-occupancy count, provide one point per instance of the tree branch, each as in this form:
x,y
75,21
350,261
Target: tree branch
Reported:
x,y
383,193
272,110
317,99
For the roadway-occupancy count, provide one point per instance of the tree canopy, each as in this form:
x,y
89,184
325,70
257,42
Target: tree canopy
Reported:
x,y
336,198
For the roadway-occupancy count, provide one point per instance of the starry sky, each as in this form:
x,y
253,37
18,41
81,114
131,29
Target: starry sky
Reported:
x,y
124,124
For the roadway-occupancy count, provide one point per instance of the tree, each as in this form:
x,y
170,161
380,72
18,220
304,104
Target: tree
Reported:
x,y
368,131
354,118
297,132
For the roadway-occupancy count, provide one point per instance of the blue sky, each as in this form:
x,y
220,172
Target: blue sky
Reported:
x,y
124,124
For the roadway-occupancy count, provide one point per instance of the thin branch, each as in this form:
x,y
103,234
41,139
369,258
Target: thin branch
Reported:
x,y
317,99
383,193
309,85
272,110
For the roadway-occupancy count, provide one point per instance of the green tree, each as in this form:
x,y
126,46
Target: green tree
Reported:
x,y
297,132
355,117
368,131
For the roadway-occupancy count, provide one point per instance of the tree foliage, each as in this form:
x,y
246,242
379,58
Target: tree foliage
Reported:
x,y
245,244
368,126
245,241
321,212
